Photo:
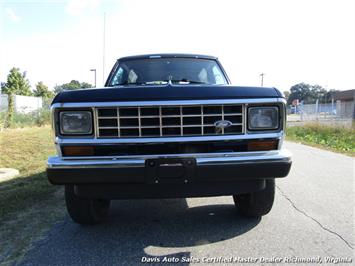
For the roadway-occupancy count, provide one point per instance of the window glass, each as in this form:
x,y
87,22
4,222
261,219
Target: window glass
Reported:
x,y
218,75
164,70
203,76
132,76
118,77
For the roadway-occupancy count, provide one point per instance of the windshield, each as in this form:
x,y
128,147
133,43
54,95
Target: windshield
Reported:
x,y
164,70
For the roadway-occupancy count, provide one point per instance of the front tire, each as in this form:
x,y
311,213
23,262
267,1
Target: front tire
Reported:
x,y
85,211
258,203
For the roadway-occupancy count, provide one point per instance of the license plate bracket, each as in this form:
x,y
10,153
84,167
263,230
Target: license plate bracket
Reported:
x,y
170,170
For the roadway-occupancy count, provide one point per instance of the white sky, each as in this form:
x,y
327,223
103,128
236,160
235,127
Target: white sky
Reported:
x,y
291,41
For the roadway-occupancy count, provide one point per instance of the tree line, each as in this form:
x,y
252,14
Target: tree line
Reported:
x,y
309,94
18,84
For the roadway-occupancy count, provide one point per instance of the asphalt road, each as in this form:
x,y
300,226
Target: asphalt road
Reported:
x,y
313,216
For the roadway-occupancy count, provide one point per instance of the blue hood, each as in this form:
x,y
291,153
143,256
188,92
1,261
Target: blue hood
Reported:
x,y
165,92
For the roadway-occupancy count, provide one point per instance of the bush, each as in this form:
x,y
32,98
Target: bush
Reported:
x,y
19,120
337,138
43,117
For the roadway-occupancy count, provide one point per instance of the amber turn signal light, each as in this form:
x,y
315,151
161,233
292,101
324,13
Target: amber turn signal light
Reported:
x,y
262,145
78,151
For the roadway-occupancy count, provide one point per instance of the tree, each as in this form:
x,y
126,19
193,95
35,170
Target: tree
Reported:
x,y
318,93
72,85
85,85
330,95
310,93
42,91
287,94
2,86
299,91
17,83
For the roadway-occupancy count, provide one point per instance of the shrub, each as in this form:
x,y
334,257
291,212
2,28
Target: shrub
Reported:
x,y
334,137
19,120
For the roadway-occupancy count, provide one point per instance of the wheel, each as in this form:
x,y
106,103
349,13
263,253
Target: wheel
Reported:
x,y
85,211
258,203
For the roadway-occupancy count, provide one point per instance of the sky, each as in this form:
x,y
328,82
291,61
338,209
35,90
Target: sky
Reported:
x,y
290,41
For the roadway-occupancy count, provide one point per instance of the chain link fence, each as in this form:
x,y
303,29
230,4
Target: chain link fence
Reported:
x,y
338,113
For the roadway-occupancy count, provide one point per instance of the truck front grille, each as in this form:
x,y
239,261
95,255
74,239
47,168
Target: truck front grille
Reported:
x,y
168,121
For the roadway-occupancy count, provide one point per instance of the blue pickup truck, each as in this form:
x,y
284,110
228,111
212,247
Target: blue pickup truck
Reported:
x,y
168,126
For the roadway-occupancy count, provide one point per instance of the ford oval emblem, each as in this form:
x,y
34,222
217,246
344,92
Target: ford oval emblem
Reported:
x,y
220,124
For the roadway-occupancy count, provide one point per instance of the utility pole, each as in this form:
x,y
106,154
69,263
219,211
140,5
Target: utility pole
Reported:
x,y
262,79
94,70
104,50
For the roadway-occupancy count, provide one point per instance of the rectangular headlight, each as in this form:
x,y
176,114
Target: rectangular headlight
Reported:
x,y
75,122
263,118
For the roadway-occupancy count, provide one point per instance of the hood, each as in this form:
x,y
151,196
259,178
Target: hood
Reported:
x,y
165,92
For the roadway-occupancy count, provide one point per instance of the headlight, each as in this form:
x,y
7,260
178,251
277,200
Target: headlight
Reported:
x,y
263,118
75,122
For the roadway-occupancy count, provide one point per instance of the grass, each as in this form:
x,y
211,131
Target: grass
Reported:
x,y
28,203
335,138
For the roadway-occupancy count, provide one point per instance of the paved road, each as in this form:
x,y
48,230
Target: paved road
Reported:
x,y
312,216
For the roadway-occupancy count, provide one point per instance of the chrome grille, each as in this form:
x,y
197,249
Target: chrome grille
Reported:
x,y
166,121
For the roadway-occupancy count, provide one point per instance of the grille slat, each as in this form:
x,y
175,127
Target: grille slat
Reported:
x,y
162,121
157,116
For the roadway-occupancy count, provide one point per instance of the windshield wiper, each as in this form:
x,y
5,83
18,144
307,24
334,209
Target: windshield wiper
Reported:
x,y
183,81
162,82
129,83
156,82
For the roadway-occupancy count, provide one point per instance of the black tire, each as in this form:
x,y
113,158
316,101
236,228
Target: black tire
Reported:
x,y
258,203
85,211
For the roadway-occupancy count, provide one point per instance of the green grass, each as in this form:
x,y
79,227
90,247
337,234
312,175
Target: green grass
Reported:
x,y
335,138
29,204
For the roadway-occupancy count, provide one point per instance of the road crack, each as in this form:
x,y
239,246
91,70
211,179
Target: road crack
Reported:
x,y
315,220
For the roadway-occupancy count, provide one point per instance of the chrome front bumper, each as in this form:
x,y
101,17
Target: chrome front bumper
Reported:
x,y
282,155
184,176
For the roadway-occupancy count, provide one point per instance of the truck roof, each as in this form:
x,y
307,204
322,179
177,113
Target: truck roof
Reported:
x,y
169,55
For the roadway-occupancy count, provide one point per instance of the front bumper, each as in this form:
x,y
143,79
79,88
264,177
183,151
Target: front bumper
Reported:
x,y
206,168
204,175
